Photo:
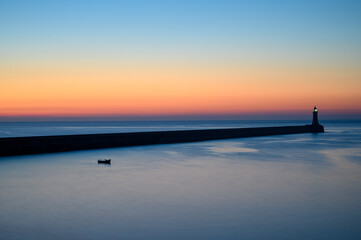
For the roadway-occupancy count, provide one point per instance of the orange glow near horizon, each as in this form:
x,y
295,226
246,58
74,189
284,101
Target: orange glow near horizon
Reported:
x,y
174,88
61,58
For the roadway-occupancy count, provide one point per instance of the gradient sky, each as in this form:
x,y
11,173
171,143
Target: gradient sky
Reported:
x,y
85,57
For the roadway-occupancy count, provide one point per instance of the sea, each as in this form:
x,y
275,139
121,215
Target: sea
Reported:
x,y
300,186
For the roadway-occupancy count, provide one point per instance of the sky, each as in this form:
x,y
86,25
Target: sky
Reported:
x,y
179,58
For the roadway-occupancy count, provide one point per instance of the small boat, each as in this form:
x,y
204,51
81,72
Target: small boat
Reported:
x,y
104,161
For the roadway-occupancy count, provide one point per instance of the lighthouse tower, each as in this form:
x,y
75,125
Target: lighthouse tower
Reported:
x,y
315,117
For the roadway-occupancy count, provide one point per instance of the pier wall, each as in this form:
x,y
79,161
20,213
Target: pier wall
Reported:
x,y
62,143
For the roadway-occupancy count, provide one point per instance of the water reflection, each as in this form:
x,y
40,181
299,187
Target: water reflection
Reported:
x,y
229,147
257,188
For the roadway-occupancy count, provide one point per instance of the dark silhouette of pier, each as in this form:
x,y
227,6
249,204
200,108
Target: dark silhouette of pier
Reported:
x,y
63,143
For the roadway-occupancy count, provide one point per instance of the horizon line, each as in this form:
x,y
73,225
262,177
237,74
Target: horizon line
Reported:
x,y
276,115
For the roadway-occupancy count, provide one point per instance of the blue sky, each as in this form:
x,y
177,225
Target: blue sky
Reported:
x,y
187,28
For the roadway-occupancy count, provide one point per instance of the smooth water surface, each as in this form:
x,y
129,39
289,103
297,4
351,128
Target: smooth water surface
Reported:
x,y
302,186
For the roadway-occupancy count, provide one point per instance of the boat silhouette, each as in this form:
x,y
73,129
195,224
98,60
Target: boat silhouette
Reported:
x,y
104,161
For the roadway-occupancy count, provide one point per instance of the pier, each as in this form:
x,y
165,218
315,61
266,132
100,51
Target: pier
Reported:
x,y
62,143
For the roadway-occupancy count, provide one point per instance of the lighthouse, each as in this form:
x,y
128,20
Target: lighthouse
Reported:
x,y
315,117
315,127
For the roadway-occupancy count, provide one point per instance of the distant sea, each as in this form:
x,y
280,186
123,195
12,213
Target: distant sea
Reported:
x,y
301,186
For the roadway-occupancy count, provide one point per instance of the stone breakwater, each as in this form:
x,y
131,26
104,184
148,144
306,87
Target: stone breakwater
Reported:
x,y
63,143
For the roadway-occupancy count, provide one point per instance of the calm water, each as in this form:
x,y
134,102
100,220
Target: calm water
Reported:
x,y
305,186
